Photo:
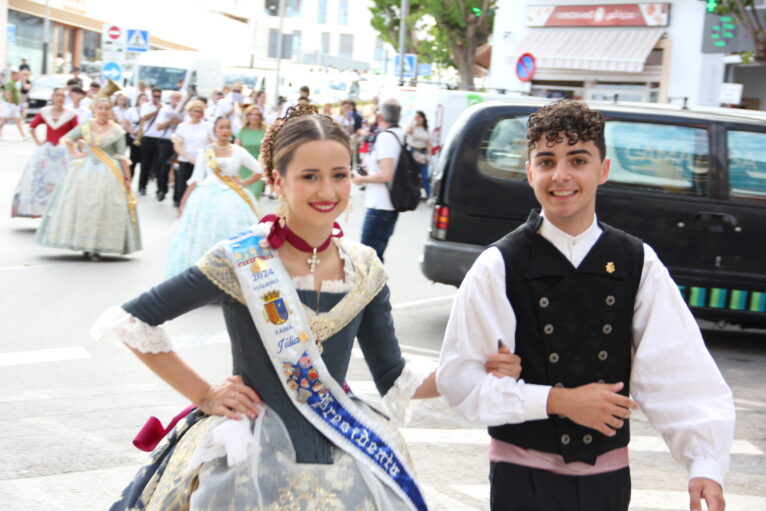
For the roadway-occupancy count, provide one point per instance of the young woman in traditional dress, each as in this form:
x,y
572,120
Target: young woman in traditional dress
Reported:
x,y
250,137
282,432
216,203
48,163
93,209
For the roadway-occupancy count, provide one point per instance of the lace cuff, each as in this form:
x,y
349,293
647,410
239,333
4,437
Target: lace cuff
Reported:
x,y
397,399
118,326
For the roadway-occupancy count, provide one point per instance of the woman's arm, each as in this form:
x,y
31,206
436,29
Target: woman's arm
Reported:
x,y
250,163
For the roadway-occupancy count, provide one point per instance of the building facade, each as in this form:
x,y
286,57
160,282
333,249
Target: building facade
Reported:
x,y
607,50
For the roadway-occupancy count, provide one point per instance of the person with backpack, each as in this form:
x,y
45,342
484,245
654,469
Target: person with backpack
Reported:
x,y
377,175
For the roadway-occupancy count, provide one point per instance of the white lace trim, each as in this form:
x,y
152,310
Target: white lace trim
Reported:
x,y
118,326
306,282
397,399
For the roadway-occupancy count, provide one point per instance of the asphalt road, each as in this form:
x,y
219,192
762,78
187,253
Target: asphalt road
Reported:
x,y
69,406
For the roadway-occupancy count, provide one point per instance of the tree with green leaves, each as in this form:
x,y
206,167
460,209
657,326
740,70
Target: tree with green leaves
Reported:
x,y
445,32
749,18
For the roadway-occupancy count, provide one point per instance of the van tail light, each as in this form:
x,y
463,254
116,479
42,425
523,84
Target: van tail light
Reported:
x,y
440,222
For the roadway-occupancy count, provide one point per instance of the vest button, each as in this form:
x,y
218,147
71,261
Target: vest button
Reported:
x,y
607,329
553,357
559,385
610,300
544,302
565,439
548,329
587,439
602,355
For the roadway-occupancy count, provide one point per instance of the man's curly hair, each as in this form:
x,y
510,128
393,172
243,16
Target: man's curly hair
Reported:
x,y
569,119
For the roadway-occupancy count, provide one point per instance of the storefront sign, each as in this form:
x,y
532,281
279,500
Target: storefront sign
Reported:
x,y
721,34
607,15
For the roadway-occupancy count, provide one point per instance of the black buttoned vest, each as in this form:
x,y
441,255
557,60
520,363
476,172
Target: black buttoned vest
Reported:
x,y
573,328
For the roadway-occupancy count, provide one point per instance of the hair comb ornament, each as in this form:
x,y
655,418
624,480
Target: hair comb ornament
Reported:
x,y
267,145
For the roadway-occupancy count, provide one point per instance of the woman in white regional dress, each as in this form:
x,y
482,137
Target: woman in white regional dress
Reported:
x,y
48,163
216,203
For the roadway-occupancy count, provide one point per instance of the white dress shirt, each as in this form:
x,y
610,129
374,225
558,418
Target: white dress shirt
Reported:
x,y
673,377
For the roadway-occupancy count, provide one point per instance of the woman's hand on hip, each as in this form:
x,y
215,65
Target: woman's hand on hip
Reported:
x,y
231,398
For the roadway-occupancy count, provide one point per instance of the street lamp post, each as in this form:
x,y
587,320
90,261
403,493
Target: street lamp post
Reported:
x,y
279,47
403,11
46,35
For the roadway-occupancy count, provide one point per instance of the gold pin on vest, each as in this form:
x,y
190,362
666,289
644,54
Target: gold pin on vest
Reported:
x,y
610,267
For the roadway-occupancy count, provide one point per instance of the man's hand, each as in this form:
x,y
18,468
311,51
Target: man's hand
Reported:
x,y
356,178
504,363
701,488
596,405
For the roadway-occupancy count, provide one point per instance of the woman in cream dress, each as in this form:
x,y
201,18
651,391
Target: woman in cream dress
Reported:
x,y
92,209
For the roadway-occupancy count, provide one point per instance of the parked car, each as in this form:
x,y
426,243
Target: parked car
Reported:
x,y
690,182
42,90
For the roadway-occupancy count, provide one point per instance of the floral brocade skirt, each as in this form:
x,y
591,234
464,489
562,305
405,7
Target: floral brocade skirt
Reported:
x,y
41,174
89,212
210,215
184,474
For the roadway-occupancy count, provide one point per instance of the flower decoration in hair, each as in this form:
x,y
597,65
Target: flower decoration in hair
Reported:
x,y
267,145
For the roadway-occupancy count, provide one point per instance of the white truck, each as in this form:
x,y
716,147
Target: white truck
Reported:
x,y
167,69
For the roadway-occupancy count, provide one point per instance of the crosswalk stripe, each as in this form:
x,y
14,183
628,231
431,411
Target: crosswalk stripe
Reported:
x,y
660,500
439,502
14,358
638,443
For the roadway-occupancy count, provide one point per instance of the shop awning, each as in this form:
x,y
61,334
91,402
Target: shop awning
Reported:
x,y
597,49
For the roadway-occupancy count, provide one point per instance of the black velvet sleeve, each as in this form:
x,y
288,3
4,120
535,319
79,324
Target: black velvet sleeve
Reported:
x,y
174,297
378,342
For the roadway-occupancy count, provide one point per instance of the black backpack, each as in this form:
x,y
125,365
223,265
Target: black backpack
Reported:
x,y
404,189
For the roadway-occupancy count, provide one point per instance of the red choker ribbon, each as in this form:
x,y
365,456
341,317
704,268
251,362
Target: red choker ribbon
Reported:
x,y
278,235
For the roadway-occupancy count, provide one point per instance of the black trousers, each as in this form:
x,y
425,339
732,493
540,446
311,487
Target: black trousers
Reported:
x,y
183,173
135,154
154,161
517,488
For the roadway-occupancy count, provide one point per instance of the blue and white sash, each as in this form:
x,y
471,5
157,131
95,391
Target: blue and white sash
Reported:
x,y
284,329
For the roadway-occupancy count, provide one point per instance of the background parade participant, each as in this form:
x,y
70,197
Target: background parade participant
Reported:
x,y
188,139
288,452
169,117
250,137
152,156
11,110
594,315
48,163
80,104
134,132
216,203
92,209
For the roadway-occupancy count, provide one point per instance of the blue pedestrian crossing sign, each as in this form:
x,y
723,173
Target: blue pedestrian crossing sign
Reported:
x,y
111,70
138,40
410,65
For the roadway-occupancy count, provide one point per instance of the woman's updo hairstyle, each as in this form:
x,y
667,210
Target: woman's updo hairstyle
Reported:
x,y
302,123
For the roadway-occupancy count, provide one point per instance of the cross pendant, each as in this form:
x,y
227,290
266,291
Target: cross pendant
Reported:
x,y
313,261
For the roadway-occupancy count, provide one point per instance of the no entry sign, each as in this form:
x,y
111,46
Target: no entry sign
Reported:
x,y
525,67
114,32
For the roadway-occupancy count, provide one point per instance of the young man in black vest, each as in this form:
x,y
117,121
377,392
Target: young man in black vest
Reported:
x,y
594,315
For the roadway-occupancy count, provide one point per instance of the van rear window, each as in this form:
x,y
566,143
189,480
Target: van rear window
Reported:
x,y
657,157
504,149
747,164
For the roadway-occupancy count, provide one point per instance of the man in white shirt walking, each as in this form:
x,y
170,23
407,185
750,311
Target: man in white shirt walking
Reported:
x,y
380,164
594,316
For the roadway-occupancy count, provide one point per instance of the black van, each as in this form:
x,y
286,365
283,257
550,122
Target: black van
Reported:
x,y
689,182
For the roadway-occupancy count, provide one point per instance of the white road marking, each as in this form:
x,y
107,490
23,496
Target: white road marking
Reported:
x,y
659,500
14,358
24,267
439,502
748,402
418,349
638,443
425,301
